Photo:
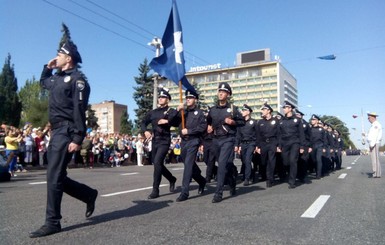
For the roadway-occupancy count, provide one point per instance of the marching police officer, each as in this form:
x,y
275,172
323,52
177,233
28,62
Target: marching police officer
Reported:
x,y
69,93
223,120
161,119
267,142
209,155
317,142
291,140
304,156
339,147
191,134
246,142
328,146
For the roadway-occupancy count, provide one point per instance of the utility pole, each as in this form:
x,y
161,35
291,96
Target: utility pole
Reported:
x,y
157,43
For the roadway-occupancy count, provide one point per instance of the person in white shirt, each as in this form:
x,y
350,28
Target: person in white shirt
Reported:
x,y
139,150
374,137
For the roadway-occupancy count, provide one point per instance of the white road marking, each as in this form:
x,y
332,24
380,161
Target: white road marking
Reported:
x,y
317,205
130,173
353,163
38,183
129,191
175,169
348,167
342,176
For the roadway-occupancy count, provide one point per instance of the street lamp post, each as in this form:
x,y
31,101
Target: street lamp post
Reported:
x,y
157,43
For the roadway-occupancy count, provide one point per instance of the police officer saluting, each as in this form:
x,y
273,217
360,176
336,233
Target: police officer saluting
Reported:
x,y
195,126
161,119
246,142
69,93
223,120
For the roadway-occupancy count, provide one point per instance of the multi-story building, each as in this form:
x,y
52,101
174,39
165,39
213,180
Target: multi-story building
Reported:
x,y
109,115
255,79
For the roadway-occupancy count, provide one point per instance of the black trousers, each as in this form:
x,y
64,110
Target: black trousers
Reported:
x,y
316,156
290,154
158,153
225,152
57,180
339,159
209,157
247,150
268,159
303,162
191,169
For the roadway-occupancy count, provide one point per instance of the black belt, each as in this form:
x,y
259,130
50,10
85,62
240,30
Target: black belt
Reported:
x,y
267,140
60,124
247,141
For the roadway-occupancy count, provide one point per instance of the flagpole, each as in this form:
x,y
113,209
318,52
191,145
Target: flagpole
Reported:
x,y
181,101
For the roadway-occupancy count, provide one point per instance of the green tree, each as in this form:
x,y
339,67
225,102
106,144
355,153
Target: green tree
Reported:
x,y
202,99
92,120
30,95
37,114
125,123
143,94
66,35
336,123
10,109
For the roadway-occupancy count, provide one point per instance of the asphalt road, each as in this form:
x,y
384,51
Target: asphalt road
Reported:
x,y
346,207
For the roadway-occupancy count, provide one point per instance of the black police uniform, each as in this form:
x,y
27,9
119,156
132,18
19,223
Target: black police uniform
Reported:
x,y
304,157
291,140
196,124
339,147
160,144
317,140
267,141
326,157
68,100
224,143
209,156
247,140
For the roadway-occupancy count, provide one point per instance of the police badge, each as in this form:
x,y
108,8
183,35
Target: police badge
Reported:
x,y
67,79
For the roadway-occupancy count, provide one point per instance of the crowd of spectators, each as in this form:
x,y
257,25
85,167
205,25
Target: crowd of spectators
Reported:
x,y
28,147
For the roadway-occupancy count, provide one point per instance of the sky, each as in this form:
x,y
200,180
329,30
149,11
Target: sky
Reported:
x,y
112,37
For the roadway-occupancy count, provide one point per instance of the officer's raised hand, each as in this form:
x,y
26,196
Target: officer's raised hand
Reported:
x,y
52,64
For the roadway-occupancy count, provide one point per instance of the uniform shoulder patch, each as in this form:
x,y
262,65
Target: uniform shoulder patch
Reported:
x,y
80,84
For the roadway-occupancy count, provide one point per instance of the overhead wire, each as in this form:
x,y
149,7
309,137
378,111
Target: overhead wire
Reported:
x,y
143,29
96,24
117,23
109,19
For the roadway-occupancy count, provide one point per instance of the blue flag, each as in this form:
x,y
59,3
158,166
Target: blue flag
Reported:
x,y
171,63
327,57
